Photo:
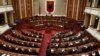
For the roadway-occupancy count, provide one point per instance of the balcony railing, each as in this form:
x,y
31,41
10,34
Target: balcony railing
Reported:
x,y
94,33
6,8
94,11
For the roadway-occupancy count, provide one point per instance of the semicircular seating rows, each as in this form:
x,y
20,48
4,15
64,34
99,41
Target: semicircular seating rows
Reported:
x,y
71,44
21,43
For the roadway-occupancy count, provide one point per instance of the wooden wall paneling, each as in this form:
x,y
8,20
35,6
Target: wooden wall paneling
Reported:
x,y
16,13
13,8
75,9
81,9
69,8
85,4
23,8
29,8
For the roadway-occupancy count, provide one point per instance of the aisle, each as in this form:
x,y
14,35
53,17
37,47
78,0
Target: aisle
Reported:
x,y
45,41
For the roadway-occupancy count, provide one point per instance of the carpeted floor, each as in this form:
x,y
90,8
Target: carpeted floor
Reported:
x,y
45,41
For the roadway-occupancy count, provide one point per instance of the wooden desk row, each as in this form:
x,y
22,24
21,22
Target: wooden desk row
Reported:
x,y
75,50
78,42
26,38
17,48
16,41
32,34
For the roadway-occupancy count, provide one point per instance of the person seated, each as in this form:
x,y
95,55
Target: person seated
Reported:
x,y
82,33
16,49
84,55
65,52
90,47
22,43
29,44
4,55
48,51
58,52
39,40
66,44
17,21
84,48
77,42
36,45
61,45
97,53
84,39
62,51
37,36
57,40
70,51
19,50
25,50
52,51
10,47
35,39
54,40
69,33
67,39
72,38
70,44
75,50
22,49
61,40
4,45
56,45
30,50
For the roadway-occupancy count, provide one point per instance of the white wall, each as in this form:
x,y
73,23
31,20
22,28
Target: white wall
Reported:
x,y
60,7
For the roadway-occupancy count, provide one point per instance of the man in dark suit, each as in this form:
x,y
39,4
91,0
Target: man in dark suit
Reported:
x,y
48,51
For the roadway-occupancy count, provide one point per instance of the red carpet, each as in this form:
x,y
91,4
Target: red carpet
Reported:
x,y
45,41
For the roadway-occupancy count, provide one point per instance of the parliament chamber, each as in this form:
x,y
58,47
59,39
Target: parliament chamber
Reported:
x,y
49,28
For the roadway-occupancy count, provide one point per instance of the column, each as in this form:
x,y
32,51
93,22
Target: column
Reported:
x,y
4,2
98,27
25,7
9,2
86,20
1,2
5,15
66,7
95,3
77,9
92,20
32,8
11,18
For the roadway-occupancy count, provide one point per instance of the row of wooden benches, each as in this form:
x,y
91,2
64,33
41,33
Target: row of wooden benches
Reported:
x,y
14,40
27,38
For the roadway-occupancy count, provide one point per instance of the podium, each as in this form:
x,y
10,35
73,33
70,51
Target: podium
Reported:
x,y
48,28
